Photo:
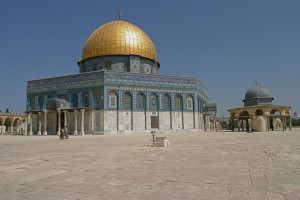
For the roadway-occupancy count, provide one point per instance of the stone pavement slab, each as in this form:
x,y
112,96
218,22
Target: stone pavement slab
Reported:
x,y
222,165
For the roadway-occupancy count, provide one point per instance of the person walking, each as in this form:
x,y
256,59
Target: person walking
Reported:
x,y
61,135
66,132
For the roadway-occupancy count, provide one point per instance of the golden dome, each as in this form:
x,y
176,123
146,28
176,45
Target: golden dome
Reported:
x,y
119,38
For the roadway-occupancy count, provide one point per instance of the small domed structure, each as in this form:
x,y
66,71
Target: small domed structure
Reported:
x,y
259,113
257,95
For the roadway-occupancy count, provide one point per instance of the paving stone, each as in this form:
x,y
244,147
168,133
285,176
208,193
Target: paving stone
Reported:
x,y
220,166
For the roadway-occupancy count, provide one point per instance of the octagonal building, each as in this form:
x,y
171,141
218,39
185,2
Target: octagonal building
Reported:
x,y
118,90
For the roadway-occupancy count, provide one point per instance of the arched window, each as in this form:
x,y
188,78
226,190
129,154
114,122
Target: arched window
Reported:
x,y
141,101
189,103
112,99
166,102
127,100
178,102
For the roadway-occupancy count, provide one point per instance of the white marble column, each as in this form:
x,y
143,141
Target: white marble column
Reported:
x,y
58,121
238,123
65,118
30,125
26,124
82,122
45,123
12,126
215,121
40,124
75,124
290,123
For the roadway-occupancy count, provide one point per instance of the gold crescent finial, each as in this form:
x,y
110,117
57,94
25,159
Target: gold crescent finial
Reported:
x,y
120,14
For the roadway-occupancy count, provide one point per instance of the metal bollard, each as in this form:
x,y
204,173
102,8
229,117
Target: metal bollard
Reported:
x,y
153,134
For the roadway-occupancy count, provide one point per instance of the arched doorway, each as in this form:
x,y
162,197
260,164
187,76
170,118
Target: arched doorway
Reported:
x,y
243,122
276,120
56,111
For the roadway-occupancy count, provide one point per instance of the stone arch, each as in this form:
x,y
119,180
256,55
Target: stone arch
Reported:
x,y
51,105
275,112
233,114
244,113
259,112
243,121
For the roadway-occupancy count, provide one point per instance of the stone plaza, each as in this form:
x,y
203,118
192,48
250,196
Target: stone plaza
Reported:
x,y
209,165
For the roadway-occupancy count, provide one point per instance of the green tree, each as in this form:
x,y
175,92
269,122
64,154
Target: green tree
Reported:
x,y
7,111
225,125
295,122
7,122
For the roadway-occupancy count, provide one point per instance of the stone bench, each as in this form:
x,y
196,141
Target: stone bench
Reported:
x,y
161,142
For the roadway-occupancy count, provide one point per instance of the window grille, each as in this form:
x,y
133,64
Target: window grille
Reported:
x,y
178,103
127,100
140,101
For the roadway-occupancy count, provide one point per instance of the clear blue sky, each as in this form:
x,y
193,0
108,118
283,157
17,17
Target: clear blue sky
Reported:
x,y
226,44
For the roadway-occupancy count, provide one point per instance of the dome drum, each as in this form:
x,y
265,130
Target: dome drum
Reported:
x,y
119,63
